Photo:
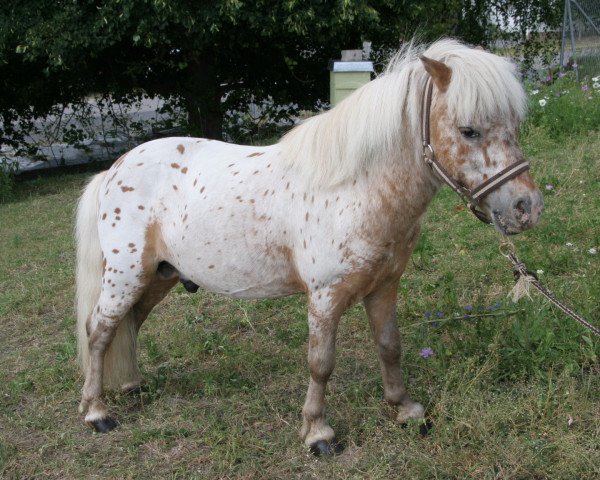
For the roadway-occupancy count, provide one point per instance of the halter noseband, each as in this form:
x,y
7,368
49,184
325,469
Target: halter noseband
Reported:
x,y
472,198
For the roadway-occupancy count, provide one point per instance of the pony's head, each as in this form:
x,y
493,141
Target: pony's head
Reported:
x,y
476,109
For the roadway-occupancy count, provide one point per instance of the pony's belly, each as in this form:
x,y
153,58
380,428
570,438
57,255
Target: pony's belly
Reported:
x,y
239,272
239,282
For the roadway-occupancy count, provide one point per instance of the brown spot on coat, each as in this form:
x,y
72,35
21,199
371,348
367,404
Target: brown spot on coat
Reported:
x,y
141,207
125,188
175,165
180,148
256,154
117,210
115,250
184,170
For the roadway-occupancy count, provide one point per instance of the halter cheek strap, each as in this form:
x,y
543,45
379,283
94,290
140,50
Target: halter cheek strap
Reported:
x,y
471,197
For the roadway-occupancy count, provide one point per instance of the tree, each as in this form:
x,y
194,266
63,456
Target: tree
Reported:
x,y
197,51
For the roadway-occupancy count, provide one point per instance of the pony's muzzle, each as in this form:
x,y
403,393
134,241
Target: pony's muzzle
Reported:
x,y
522,213
527,210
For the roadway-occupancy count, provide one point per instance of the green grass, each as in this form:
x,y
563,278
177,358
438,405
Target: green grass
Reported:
x,y
226,379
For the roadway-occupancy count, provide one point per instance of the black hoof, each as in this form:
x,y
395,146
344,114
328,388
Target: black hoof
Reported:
x,y
190,286
104,425
425,427
323,447
136,391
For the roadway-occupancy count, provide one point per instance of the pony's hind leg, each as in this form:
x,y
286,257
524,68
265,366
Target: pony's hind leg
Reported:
x,y
102,327
153,294
381,310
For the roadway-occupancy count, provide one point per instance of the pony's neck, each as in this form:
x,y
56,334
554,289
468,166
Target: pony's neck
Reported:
x,y
401,193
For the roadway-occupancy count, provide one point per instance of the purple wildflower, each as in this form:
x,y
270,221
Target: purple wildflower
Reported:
x,y
434,324
426,352
575,65
549,78
557,94
439,314
467,317
427,314
549,187
584,88
561,74
469,308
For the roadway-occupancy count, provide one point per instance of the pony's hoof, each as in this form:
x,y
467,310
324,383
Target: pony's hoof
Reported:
x,y
134,390
411,410
323,447
104,425
425,427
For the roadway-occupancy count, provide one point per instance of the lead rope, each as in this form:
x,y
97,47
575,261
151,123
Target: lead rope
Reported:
x,y
525,278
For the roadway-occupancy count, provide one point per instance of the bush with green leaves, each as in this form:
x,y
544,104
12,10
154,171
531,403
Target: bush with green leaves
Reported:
x,y
8,170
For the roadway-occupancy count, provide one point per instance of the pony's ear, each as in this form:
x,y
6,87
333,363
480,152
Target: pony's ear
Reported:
x,y
440,72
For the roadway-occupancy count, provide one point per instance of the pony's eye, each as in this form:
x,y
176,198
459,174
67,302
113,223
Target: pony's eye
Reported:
x,y
468,132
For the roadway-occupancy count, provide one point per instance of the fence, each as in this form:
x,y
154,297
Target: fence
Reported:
x,y
580,43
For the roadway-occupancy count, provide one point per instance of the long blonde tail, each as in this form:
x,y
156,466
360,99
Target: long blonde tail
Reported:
x,y
120,362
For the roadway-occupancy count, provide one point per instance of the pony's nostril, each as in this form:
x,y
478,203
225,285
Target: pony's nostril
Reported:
x,y
522,208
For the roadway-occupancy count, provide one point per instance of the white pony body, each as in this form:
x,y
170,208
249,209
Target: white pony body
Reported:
x,y
332,211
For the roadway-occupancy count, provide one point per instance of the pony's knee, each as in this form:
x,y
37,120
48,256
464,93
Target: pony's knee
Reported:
x,y
321,363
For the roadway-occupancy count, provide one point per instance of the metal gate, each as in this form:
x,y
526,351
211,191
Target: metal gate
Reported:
x,y
580,43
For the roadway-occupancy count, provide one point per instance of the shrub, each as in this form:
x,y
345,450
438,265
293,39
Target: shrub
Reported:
x,y
8,170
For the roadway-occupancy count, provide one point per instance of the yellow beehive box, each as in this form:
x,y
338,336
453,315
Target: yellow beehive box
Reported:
x,y
345,77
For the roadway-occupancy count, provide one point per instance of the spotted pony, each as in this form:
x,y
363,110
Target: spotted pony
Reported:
x,y
332,211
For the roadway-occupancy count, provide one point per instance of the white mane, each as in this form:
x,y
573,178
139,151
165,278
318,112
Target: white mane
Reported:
x,y
380,121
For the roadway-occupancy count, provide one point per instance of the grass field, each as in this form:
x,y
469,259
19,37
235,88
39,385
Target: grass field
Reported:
x,y
513,390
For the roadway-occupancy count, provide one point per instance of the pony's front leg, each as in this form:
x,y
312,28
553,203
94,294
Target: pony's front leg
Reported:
x,y
101,331
381,310
322,325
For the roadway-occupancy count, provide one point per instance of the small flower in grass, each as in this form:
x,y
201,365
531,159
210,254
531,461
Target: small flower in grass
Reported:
x,y
557,94
593,251
561,74
549,187
439,314
495,306
569,244
535,92
469,308
596,86
467,317
426,352
539,271
595,79
584,88
434,324
549,78
543,103
427,314
575,65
